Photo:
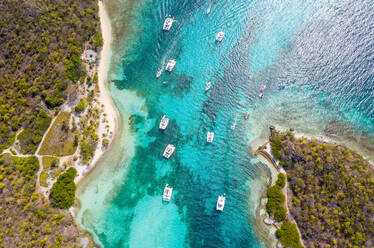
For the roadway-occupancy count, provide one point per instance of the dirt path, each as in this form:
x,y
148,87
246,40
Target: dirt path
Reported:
x,y
268,156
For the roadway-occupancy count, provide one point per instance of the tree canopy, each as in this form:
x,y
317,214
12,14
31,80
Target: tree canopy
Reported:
x,y
63,190
332,192
41,43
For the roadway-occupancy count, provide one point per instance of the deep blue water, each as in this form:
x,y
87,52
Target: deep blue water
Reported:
x,y
321,51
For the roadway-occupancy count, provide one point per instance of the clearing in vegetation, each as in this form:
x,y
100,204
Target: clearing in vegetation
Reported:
x,y
59,141
48,163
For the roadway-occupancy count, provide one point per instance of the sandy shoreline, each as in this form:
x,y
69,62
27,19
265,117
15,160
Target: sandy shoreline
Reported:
x,y
112,114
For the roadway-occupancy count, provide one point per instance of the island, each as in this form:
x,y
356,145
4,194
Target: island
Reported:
x,y
325,195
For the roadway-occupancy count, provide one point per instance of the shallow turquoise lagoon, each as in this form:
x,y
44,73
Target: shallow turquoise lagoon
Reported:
x,y
321,51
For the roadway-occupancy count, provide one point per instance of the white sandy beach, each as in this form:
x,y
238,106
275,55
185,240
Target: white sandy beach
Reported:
x,y
112,115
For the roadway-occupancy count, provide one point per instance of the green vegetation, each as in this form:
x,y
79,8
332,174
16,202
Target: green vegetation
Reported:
x,y
27,220
63,190
275,203
56,172
48,163
89,138
98,40
105,142
80,106
43,179
332,192
88,147
41,43
59,140
281,181
288,235
31,136
276,146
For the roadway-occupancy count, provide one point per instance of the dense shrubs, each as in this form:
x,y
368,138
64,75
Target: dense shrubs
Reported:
x,y
41,43
73,63
98,40
80,106
27,220
54,99
275,203
31,136
281,181
276,146
63,190
332,192
26,166
288,235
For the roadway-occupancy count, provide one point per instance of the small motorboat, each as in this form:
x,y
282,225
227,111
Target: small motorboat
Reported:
x,y
208,10
246,116
261,95
170,65
220,36
263,88
209,137
165,82
164,123
208,85
282,86
169,150
221,202
168,191
233,126
159,74
167,24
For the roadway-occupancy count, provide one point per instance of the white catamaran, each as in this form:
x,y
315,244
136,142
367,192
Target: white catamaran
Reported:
x,y
170,65
169,151
220,36
167,193
221,202
210,137
208,85
167,24
164,122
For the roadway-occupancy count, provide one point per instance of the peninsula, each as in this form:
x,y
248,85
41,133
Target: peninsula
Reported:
x,y
329,193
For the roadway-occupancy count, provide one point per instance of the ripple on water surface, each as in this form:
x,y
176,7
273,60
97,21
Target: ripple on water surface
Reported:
x,y
328,91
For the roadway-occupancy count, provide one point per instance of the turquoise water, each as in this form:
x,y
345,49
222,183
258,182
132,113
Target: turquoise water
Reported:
x,y
322,51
